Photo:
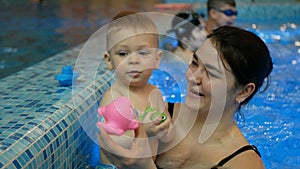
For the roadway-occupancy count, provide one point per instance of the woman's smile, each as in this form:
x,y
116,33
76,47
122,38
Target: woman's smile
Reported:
x,y
195,93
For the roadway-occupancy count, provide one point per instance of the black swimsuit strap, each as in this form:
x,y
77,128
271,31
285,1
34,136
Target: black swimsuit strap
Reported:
x,y
171,108
245,148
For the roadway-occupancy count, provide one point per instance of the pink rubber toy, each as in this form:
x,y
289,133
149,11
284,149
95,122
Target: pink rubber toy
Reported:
x,y
119,116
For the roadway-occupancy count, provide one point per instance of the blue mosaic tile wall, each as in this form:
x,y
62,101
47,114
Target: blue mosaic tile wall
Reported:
x,y
40,126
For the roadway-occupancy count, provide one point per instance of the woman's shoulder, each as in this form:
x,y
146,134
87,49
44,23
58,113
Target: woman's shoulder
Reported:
x,y
247,157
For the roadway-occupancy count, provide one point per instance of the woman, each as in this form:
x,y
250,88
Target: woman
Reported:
x,y
225,73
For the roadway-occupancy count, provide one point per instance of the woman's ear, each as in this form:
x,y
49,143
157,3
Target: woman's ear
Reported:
x,y
158,59
245,92
108,61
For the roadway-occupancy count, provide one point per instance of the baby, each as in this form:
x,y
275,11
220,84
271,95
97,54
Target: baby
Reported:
x,y
132,52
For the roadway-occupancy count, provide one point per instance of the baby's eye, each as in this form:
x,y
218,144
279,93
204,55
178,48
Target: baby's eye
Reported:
x,y
144,52
122,53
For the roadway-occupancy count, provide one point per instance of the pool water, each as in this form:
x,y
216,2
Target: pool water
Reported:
x,y
33,30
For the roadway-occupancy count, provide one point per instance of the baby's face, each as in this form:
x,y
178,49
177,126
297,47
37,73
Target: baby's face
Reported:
x,y
133,58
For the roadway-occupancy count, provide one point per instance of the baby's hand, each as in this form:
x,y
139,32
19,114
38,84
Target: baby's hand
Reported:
x,y
156,124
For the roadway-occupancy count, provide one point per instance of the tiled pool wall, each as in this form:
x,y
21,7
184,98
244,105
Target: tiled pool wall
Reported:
x,y
41,127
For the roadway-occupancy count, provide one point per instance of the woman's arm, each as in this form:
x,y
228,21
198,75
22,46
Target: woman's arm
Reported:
x,y
137,156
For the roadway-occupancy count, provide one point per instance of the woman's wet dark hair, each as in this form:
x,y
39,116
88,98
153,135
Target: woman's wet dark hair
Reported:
x,y
246,54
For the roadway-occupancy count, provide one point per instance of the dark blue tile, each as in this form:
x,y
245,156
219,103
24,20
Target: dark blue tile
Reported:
x,y
59,128
60,90
52,158
14,137
18,135
41,110
19,125
64,122
38,105
3,147
57,143
45,154
51,148
17,164
67,144
6,144
53,133
33,123
29,154
66,134
75,135
4,127
47,138
42,128
28,139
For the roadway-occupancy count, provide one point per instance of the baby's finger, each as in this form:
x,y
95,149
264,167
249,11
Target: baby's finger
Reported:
x,y
164,125
157,120
146,117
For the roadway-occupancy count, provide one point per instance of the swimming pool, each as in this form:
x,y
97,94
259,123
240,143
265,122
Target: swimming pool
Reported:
x,y
271,121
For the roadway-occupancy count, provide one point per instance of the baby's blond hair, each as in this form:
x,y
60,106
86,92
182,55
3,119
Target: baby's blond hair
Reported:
x,y
128,20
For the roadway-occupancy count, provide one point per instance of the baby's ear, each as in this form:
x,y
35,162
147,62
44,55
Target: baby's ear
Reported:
x,y
108,61
158,59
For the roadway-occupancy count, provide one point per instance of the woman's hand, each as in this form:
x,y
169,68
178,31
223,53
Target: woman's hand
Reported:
x,y
137,156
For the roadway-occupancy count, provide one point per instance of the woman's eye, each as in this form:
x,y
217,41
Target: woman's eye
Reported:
x,y
212,74
194,63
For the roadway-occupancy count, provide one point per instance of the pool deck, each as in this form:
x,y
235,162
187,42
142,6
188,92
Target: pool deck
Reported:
x,y
40,124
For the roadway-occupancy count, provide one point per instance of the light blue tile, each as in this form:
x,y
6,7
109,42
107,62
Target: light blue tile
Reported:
x,y
4,159
11,166
21,160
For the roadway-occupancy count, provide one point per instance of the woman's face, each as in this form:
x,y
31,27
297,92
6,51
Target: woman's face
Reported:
x,y
210,85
